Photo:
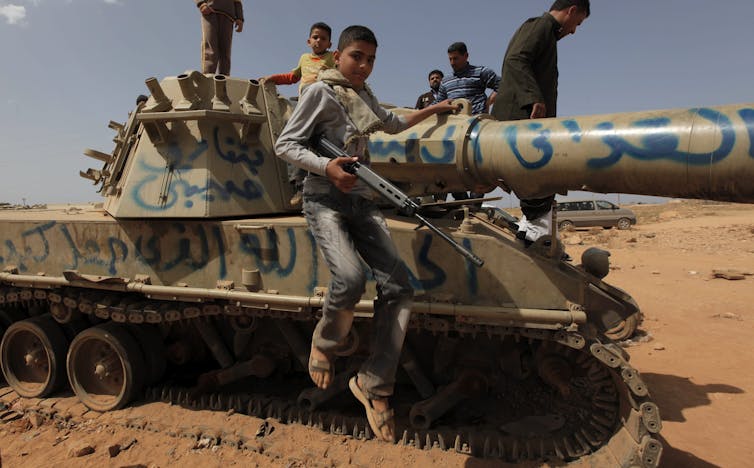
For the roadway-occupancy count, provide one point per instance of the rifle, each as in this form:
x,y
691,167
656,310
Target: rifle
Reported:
x,y
392,193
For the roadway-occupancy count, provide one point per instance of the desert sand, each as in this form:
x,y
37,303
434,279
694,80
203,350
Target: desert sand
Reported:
x,y
693,349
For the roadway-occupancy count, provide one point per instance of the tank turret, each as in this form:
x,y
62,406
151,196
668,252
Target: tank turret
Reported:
x,y
202,147
198,267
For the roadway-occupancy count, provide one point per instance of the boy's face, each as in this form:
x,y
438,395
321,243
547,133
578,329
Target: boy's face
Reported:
x,y
356,61
319,41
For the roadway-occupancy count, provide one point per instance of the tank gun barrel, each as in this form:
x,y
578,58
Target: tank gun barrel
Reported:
x,y
704,153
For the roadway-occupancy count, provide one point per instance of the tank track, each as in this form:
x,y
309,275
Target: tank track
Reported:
x,y
611,421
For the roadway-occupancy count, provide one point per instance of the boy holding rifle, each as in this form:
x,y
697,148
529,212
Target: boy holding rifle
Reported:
x,y
346,223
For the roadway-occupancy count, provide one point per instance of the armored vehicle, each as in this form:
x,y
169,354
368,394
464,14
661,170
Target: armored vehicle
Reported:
x,y
195,282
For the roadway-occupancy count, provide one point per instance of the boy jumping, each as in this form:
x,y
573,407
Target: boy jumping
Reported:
x,y
347,224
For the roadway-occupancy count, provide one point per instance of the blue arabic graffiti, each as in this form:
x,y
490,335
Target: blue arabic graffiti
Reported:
x,y
268,259
448,149
381,149
28,254
192,249
91,254
748,117
437,274
573,128
540,142
660,142
242,156
176,189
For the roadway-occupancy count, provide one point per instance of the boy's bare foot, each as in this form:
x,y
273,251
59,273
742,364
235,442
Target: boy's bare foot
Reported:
x,y
321,368
380,416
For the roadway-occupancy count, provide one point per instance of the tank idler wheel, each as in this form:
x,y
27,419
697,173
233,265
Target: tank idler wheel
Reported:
x,y
625,329
624,223
565,225
32,357
105,367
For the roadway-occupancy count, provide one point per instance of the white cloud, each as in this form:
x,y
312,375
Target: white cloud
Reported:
x,y
13,14
16,14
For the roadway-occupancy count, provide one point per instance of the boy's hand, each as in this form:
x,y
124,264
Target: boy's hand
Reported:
x,y
206,9
343,180
239,25
446,106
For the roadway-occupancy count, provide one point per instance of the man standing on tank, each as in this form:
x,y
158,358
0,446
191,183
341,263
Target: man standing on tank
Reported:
x,y
426,99
468,82
529,88
219,17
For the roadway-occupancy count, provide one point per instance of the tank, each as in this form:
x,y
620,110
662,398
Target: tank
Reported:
x,y
195,282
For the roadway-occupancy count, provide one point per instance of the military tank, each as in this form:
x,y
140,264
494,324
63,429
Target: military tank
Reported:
x,y
195,282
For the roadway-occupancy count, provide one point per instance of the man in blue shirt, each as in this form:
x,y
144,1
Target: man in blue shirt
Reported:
x,y
468,81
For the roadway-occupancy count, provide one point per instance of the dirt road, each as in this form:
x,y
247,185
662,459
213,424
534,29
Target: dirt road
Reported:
x,y
695,357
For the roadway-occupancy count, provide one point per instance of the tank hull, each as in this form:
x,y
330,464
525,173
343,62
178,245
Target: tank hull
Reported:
x,y
278,256
225,302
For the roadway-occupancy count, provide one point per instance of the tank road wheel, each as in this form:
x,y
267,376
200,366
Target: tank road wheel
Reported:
x,y
624,223
105,367
565,225
31,355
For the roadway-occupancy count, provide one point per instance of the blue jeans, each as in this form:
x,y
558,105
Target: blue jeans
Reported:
x,y
350,231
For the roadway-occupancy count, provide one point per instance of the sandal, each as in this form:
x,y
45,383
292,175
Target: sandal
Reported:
x,y
321,366
377,420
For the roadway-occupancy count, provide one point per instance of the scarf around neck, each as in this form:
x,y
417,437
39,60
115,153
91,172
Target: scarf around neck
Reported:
x,y
358,111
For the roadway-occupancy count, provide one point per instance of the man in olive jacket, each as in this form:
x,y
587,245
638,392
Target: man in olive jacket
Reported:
x,y
529,88
218,19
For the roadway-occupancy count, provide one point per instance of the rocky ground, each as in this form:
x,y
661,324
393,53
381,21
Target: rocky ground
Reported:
x,y
680,263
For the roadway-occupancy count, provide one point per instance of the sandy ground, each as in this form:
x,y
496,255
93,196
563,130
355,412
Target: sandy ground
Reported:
x,y
696,358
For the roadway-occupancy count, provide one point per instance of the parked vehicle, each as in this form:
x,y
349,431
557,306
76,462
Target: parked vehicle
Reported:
x,y
593,213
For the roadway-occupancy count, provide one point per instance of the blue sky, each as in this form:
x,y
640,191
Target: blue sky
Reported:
x,y
71,66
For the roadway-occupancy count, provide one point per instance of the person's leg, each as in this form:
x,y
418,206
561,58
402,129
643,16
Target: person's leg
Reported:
x,y
328,223
536,219
225,39
209,43
392,310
